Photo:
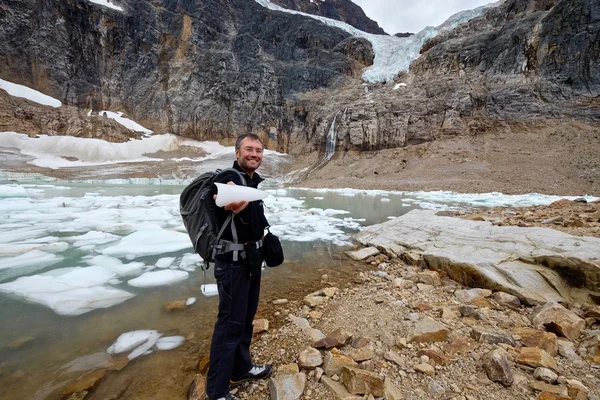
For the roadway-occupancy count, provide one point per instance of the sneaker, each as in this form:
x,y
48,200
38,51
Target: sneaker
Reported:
x,y
258,371
228,397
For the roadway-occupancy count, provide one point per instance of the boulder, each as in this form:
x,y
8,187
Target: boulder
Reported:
x,y
310,358
534,357
260,325
492,337
429,330
479,253
555,318
287,386
544,340
338,390
334,362
360,381
497,367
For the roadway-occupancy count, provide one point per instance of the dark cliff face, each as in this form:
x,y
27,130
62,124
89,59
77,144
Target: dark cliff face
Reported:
x,y
211,69
204,69
341,10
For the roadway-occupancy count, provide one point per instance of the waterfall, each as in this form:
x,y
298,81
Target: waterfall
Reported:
x,y
331,139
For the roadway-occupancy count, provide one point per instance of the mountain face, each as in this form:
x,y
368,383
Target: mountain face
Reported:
x,y
211,69
341,10
205,69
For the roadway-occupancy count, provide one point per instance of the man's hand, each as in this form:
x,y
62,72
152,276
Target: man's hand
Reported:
x,y
236,207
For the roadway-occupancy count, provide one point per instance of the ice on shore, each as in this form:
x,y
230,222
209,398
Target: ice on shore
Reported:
x,y
142,342
130,340
169,342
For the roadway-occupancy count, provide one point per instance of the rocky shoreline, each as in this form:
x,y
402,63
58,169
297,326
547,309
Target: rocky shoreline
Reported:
x,y
401,332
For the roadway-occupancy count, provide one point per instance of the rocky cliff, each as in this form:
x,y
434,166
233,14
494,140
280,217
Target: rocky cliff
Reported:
x,y
205,69
210,69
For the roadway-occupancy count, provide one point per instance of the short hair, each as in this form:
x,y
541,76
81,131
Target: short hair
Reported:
x,y
251,136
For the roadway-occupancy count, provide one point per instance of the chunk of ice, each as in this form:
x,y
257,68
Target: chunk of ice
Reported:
x,y
129,341
158,278
169,342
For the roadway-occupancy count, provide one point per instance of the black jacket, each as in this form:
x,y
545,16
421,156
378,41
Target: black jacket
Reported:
x,y
251,222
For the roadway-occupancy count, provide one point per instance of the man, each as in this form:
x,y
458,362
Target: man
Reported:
x,y
238,282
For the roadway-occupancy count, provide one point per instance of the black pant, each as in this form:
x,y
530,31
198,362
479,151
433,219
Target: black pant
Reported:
x,y
230,347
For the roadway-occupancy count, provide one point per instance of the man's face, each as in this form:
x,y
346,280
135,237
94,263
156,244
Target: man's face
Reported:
x,y
249,155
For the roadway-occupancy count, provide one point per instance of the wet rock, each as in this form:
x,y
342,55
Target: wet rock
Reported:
x,y
310,358
358,381
287,386
362,254
545,374
492,337
534,357
85,382
555,318
497,367
429,330
175,305
78,395
260,325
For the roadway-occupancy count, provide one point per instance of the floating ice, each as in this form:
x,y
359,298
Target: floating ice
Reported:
x,y
25,92
190,301
165,262
150,242
158,278
27,263
93,238
16,249
169,342
115,265
130,340
62,297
